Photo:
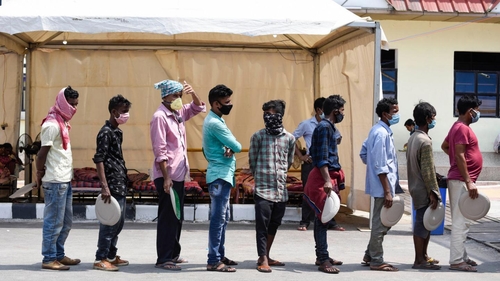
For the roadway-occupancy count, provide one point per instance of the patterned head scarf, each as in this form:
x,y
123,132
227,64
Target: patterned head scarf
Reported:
x,y
168,87
61,113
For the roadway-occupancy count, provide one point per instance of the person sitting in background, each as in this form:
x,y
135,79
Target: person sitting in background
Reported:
x,y
8,158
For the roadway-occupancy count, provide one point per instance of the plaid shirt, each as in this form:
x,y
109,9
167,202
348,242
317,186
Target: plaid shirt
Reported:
x,y
109,152
324,150
270,157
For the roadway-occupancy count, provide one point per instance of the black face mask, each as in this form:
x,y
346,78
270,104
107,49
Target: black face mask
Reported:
x,y
339,117
225,108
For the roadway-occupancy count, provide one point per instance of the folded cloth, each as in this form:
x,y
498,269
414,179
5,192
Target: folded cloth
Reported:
x,y
314,192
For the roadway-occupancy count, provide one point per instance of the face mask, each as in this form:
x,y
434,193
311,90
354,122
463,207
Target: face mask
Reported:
x,y
432,124
122,119
176,104
322,115
274,123
339,117
476,118
225,108
394,120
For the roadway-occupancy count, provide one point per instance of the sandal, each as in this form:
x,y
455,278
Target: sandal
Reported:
x,y
384,267
463,266
471,262
227,261
427,265
326,267
220,267
432,260
302,228
272,262
168,266
264,268
337,227
366,260
332,261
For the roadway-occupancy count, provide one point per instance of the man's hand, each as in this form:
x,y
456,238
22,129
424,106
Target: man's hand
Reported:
x,y
328,187
228,152
105,194
188,89
471,187
388,200
167,183
39,176
433,200
306,158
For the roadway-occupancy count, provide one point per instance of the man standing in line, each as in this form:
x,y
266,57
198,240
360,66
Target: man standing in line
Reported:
x,y
326,176
112,174
379,155
54,165
466,163
305,130
422,181
270,156
168,138
219,146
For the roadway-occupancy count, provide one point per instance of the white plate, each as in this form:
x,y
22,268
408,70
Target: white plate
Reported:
x,y
391,216
176,204
474,209
107,213
434,218
23,190
331,208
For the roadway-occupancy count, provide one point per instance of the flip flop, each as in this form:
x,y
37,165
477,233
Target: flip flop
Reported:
x,y
180,260
384,267
271,262
432,260
471,262
264,268
227,261
366,261
463,266
301,228
337,227
330,269
428,265
332,261
168,266
220,267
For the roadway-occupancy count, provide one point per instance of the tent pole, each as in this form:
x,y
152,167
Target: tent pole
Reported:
x,y
316,77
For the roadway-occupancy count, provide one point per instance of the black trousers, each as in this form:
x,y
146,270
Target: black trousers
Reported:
x,y
268,217
168,229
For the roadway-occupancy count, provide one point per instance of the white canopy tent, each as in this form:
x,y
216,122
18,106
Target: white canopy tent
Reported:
x,y
281,49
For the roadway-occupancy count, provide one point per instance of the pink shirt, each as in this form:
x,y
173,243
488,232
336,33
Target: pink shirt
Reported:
x,y
463,134
168,137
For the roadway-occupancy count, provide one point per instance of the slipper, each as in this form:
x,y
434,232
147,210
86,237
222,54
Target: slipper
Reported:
x,y
366,261
264,268
329,269
471,262
427,265
332,261
463,266
301,228
220,267
227,261
271,262
180,260
384,267
168,266
432,260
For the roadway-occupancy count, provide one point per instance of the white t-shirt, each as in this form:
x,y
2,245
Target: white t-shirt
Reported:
x,y
59,163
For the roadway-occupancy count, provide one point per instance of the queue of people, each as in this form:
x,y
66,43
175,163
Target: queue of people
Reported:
x,y
271,154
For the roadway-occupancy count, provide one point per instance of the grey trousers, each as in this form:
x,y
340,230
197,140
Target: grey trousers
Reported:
x,y
375,252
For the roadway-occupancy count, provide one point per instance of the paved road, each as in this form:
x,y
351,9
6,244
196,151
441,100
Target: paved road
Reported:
x,y
20,257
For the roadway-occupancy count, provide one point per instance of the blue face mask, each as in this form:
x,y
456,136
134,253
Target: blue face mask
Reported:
x,y
322,115
476,118
394,120
432,124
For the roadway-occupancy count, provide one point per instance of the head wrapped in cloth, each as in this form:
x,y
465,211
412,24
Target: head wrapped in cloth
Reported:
x,y
168,87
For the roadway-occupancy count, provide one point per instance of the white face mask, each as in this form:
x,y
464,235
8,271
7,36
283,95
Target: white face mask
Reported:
x,y
123,118
176,104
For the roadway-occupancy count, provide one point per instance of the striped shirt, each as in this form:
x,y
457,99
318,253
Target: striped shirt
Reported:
x,y
270,157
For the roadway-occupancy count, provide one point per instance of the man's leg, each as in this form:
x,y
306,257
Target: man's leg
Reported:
x,y
320,238
277,213
117,228
460,225
53,218
67,206
219,196
375,248
263,210
307,212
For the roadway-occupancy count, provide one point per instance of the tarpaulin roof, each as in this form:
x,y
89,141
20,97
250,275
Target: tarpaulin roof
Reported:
x,y
445,6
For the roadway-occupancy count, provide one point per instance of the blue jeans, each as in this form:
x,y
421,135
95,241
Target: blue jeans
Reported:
x,y
220,191
57,219
108,234
320,237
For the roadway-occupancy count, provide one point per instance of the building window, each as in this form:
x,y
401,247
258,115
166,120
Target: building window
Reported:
x,y
389,74
478,74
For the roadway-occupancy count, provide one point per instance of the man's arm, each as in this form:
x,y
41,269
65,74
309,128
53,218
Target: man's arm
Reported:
x,y
445,146
387,190
105,193
41,158
462,168
224,135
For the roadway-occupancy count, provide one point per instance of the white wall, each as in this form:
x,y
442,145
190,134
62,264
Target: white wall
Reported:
x,y
425,71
